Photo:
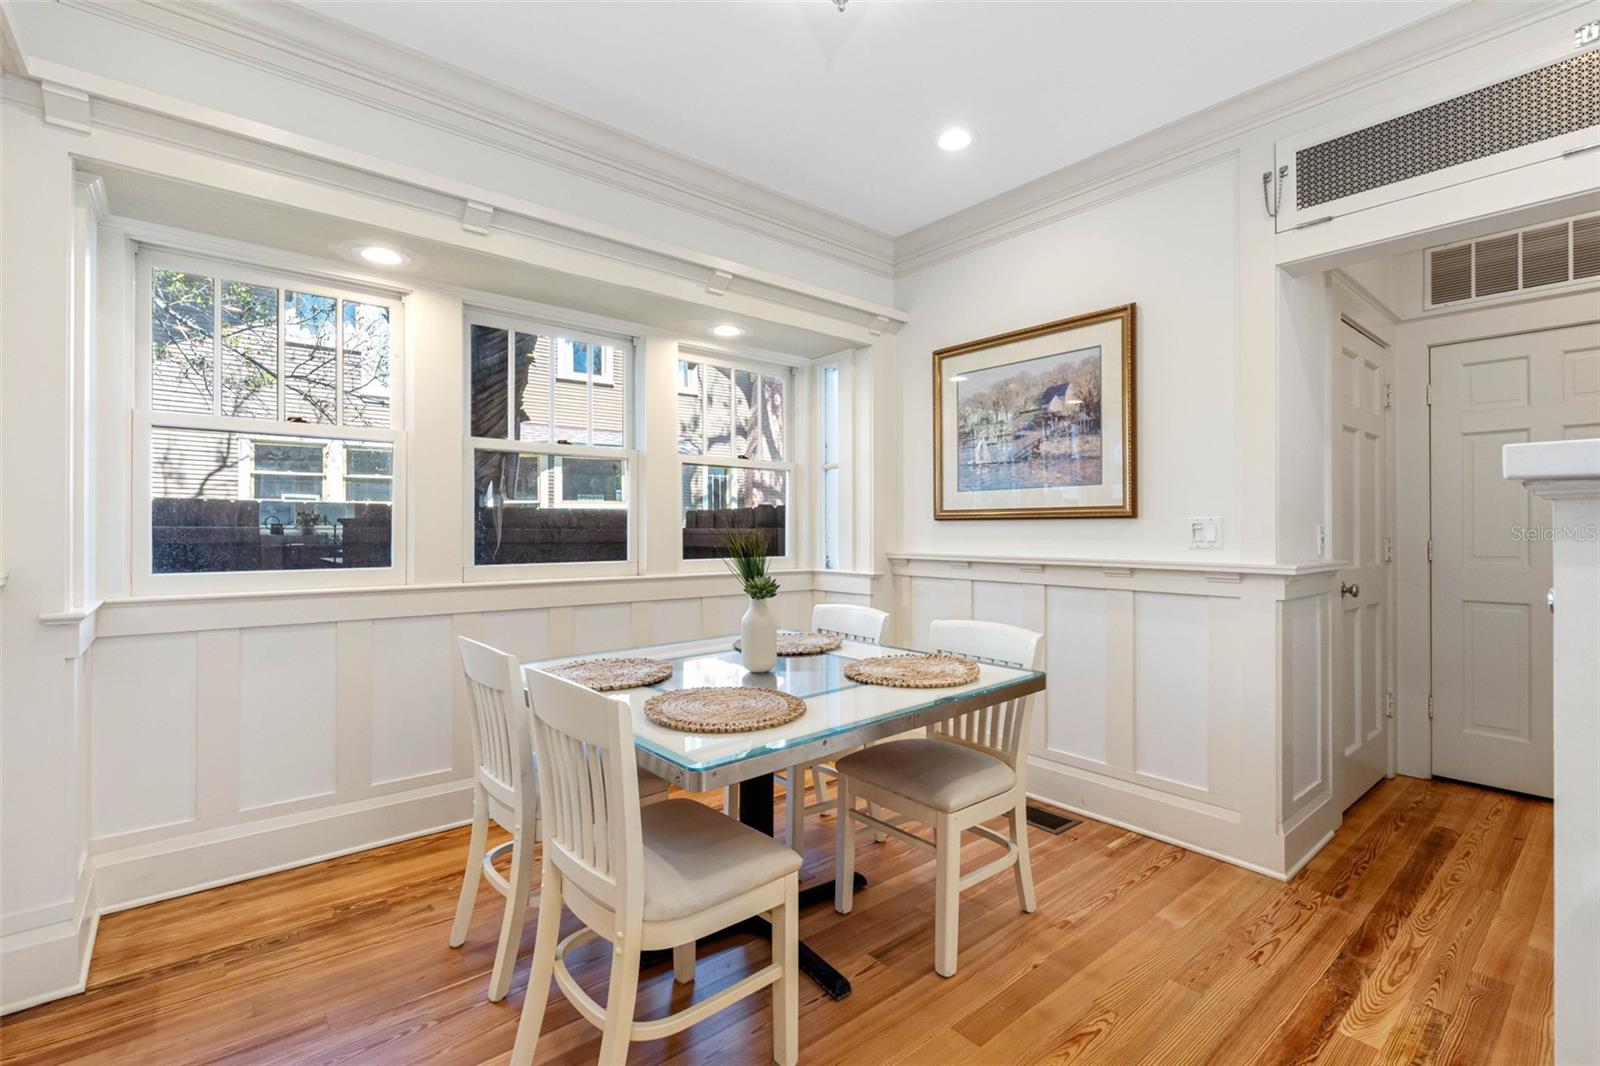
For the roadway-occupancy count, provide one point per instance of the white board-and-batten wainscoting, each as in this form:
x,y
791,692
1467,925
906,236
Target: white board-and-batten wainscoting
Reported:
x,y
1188,703
231,736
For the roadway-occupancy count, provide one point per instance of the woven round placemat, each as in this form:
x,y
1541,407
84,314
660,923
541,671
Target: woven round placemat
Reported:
x,y
913,671
616,672
804,643
723,710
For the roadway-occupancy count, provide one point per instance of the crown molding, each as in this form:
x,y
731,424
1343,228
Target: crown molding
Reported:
x,y
1135,163
295,43
333,168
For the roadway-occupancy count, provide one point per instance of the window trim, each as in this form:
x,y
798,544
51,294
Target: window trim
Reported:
x,y
471,570
791,378
142,578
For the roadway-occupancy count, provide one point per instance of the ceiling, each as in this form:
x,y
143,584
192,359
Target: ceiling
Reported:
x,y
841,110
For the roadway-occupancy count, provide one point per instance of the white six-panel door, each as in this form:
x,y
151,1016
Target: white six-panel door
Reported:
x,y
1363,534
1491,552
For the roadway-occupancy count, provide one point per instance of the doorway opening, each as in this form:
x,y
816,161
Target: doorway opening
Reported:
x,y
1442,636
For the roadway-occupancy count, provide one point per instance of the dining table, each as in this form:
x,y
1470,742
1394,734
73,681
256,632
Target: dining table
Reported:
x,y
840,716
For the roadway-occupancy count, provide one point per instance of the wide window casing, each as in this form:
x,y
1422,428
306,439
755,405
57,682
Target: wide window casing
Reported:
x,y
265,417
549,450
735,453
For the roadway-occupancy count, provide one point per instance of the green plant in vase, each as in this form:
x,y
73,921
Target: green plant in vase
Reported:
x,y
746,558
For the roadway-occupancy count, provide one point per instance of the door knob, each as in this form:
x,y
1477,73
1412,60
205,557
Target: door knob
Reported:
x,y
1352,590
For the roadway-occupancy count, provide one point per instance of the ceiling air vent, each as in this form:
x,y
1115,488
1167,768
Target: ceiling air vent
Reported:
x,y
1515,262
1553,100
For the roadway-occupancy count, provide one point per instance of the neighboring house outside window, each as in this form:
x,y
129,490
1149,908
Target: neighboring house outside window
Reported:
x,y
549,436
255,393
735,461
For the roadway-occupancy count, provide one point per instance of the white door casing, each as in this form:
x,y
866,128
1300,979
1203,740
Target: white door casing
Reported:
x,y
1363,538
1491,552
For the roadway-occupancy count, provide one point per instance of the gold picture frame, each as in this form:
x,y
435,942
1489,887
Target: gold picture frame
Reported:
x,y
1038,422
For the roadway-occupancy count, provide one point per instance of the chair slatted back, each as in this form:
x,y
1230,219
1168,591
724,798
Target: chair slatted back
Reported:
x,y
589,789
1001,729
854,623
501,726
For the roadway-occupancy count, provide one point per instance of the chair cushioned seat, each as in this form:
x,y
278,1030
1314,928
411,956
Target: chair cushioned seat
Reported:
x,y
696,857
934,773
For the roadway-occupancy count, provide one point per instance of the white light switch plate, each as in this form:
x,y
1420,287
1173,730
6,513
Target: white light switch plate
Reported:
x,y
1205,531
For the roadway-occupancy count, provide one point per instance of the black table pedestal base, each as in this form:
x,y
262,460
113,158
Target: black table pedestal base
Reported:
x,y
755,810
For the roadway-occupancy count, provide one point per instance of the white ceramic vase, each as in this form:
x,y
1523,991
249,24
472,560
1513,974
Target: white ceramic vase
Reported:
x,y
758,638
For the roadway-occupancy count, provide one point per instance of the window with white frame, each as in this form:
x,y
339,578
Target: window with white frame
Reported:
x,y
735,463
265,421
549,432
830,453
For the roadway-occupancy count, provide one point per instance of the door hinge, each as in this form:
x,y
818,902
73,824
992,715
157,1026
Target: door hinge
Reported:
x,y
1430,706
1388,549
1388,704
1430,550
1314,222
1388,394
1430,394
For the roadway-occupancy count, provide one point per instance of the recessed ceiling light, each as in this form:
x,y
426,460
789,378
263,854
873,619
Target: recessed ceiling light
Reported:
x,y
727,329
955,139
381,256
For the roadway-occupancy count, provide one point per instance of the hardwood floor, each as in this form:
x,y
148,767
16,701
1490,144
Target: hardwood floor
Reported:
x,y
1421,934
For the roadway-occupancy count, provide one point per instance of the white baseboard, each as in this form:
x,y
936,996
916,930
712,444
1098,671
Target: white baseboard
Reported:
x,y
131,877
1217,833
51,961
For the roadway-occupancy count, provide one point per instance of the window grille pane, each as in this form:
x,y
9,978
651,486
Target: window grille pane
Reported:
x,y
310,357
719,410
610,399
770,446
370,461
830,518
532,369
746,412
223,502
691,409
489,382
830,415
548,509
368,388
182,320
249,350
717,497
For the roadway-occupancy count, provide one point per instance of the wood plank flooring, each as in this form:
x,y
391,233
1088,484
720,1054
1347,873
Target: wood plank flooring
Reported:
x,y
1421,934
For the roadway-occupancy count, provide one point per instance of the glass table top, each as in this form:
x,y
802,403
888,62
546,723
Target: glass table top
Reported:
x,y
835,705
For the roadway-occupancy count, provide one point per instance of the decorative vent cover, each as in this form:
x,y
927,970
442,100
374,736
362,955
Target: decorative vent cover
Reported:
x,y
1535,106
1514,262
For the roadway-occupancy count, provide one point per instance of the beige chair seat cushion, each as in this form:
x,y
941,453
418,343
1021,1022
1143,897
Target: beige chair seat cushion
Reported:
x,y
934,773
696,857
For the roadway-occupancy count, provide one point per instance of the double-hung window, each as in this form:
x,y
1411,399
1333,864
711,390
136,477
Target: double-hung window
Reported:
x,y
832,457
735,461
264,426
550,439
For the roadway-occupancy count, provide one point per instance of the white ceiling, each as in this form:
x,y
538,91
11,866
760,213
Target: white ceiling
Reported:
x,y
840,110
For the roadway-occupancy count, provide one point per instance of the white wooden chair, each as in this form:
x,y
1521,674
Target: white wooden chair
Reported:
x,y
964,772
863,624
644,878
504,791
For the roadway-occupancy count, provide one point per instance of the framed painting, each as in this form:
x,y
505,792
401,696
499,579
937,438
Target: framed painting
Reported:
x,y
1037,423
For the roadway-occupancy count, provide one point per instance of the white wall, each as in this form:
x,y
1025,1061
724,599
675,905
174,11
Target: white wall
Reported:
x,y
1170,248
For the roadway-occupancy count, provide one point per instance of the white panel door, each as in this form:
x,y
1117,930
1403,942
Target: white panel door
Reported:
x,y
1491,552
1363,532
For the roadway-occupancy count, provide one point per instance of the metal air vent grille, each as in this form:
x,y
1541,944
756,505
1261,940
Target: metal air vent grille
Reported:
x,y
1538,105
1505,263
